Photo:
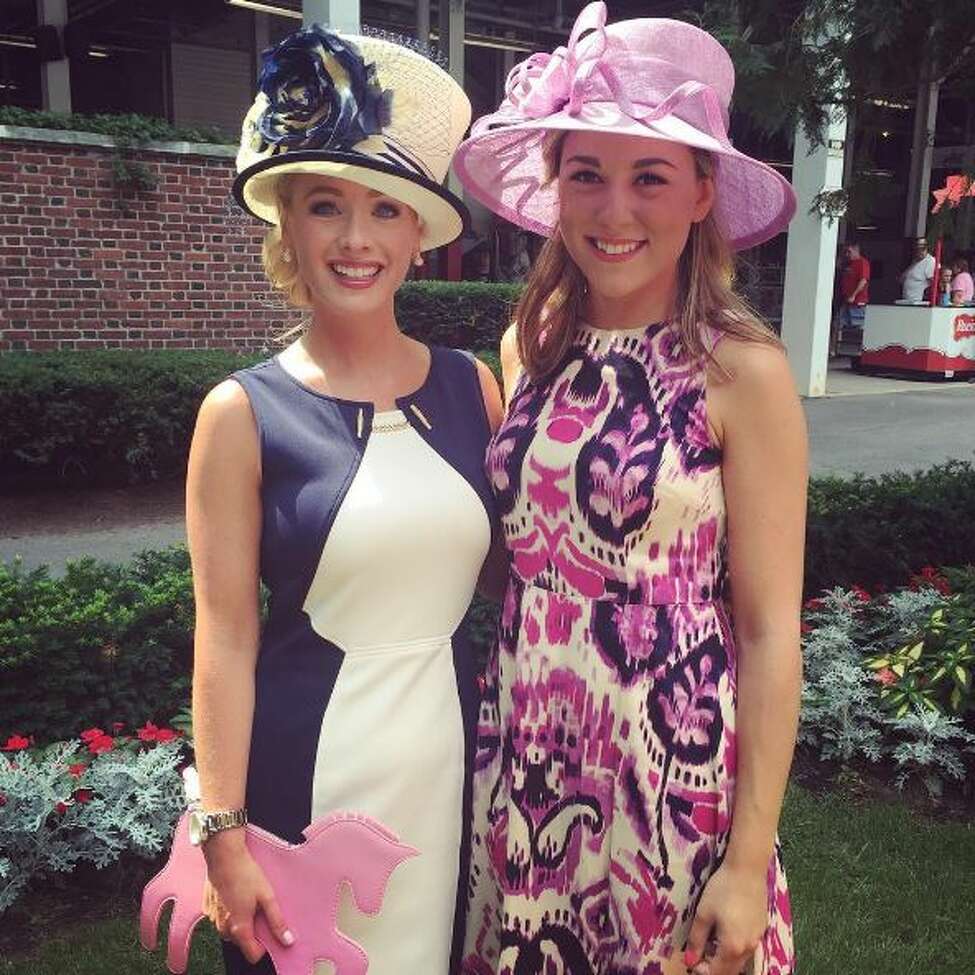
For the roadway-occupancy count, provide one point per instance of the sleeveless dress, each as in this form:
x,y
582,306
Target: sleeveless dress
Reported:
x,y
375,527
605,772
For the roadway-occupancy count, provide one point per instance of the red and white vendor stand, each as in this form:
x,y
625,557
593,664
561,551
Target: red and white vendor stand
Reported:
x,y
937,341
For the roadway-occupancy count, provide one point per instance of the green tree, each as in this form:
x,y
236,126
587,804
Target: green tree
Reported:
x,y
796,59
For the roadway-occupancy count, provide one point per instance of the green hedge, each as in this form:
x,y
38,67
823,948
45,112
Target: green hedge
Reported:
x,y
103,644
101,418
878,531
108,643
467,315
116,417
129,128
113,643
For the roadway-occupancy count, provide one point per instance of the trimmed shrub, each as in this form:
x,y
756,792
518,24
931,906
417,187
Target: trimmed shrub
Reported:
x,y
101,418
878,531
125,128
109,643
105,643
110,417
462,315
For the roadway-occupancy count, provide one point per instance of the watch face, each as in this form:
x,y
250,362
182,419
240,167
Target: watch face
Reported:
x,y
197,827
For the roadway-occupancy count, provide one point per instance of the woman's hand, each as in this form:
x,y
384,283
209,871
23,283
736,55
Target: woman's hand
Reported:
x,y
236,890
733,913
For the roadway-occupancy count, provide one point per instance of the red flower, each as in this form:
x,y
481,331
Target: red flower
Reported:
x,y
3,800
118,725
92,734
16,743
886,677
148,732
813,605
83,795
77,770
166,734
805,628
98,746
61,808
860,593
930,578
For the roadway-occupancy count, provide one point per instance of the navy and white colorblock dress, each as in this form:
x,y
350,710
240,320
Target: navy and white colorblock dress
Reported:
x,y
375,527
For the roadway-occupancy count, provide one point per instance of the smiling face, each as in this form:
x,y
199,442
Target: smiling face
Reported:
x,y
353,246
626,207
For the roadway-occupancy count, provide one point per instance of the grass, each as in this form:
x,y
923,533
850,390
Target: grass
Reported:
x,y
112,948
875,889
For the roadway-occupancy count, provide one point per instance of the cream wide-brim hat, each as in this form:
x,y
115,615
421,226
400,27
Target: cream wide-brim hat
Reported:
x,y
428,114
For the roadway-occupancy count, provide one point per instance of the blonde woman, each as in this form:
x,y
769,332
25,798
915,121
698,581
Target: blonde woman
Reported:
x,y
639,722
346,474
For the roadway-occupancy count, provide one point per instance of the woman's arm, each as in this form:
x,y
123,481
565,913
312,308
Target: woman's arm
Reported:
x,y
223,519
510,360
757,417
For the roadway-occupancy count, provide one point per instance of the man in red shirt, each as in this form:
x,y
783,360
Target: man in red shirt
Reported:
x,y
854,293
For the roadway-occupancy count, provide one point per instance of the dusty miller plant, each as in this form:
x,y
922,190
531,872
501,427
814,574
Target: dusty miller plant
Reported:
x,y
841,712
932,748
52,820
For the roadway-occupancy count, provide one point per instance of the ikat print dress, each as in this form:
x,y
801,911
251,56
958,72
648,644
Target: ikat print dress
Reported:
x,y
605,771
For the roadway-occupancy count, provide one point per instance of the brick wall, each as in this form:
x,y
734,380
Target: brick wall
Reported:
x,y
82,266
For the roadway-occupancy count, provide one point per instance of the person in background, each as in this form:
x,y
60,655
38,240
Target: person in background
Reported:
x,y
919,273
944,286
854,293
520,258
962,286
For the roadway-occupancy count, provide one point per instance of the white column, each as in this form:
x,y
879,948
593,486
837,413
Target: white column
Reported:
x,y
919,179
55,75
340,15
811,258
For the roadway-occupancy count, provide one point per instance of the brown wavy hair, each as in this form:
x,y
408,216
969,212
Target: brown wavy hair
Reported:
x,y
553,299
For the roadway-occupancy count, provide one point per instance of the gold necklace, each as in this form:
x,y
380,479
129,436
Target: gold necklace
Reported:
x,y
390,426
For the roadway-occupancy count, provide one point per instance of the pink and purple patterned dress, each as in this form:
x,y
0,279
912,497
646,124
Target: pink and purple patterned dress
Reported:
x,y
605,774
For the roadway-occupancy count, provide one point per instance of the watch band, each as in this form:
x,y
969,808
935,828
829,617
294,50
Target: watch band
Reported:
x,y
215,822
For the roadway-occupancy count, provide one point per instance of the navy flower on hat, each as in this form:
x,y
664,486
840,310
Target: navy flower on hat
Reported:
x,y
320,94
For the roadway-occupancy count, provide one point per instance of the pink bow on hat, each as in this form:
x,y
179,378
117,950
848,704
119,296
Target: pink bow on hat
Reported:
x,y
545,83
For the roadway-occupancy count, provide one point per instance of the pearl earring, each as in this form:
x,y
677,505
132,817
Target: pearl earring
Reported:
x,y
418,260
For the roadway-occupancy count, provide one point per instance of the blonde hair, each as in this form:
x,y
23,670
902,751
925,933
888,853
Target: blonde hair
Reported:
x,y
282,274
552,301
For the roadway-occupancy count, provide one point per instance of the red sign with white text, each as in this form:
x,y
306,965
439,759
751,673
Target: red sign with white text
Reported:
x,y
964,327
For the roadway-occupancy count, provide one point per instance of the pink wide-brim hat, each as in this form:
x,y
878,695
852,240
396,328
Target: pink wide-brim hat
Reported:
x,y
652,77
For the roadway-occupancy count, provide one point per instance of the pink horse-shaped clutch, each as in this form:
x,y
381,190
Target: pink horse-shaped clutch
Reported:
x,y
306,878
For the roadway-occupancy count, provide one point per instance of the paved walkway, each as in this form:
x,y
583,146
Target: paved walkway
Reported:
x,y
51,529
864,424
871,425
